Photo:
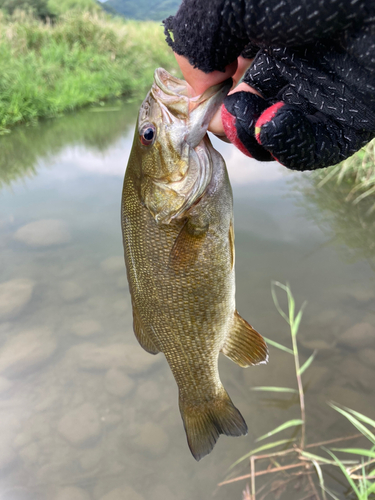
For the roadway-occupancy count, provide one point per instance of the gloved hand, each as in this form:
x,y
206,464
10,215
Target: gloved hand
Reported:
x,y
317,108
314,69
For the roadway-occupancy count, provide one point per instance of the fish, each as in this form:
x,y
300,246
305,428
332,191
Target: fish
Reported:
x,y
177,224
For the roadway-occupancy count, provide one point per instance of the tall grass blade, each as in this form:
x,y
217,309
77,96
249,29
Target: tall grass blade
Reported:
x,y
274,389
275,299
356,451
307,363
361,417
320,476
368,434
312,456
278,346
297,320
329,176
345,472
261,448
331,494
285,425
291,307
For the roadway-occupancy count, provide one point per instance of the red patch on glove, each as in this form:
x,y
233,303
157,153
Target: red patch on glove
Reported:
x,y
266,117
229,124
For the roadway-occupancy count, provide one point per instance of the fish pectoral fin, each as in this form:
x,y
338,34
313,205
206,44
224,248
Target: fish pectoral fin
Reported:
x,y
143,338
244,345
188,243
206,421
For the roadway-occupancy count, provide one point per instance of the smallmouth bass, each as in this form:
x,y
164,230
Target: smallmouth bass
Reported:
x,y
177,222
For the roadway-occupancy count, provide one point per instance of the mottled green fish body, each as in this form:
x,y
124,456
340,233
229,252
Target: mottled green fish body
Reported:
x,y
177,221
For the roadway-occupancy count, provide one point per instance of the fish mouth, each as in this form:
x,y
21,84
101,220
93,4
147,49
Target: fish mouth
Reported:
x,y
185,121
170,84
196,111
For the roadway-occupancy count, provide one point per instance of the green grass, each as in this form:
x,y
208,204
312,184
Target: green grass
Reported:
x,y
358,474
356,175
85,57
341,200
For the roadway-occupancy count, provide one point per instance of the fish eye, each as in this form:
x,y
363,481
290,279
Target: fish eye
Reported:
x,y
148,134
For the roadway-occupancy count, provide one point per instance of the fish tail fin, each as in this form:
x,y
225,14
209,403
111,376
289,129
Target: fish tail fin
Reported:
x,y
205,422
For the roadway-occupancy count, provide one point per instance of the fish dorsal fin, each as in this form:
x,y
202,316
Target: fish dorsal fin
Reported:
x,y
244,345
142,337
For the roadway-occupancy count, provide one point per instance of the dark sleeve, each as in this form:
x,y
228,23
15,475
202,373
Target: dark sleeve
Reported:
x,y
213,33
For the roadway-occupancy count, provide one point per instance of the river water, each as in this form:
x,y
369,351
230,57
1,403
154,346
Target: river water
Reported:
x,y
84,412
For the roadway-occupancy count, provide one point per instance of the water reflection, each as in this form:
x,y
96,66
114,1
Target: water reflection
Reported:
x,y
351,227
95,128
85,413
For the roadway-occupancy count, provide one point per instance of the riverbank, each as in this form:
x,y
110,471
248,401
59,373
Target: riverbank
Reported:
x,y
46,70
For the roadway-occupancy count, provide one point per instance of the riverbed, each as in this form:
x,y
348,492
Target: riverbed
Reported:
x,y
85,413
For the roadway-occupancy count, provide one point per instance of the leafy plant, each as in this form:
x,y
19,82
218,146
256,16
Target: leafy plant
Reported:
x,y
360,475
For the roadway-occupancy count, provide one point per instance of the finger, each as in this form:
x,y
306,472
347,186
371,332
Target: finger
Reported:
x,y
306,142
264,76
216,124
200,81
243,65
239,114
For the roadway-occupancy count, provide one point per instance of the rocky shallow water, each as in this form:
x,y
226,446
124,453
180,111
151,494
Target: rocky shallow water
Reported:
x,y
85,413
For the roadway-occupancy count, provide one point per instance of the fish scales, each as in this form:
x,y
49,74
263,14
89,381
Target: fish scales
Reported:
x,y
177,221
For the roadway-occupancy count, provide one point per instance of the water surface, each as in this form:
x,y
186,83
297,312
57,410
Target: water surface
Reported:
x,y
84,412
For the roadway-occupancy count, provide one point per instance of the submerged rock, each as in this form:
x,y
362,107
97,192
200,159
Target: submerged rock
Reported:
x,y
86,328
118,383
81,425
30,453
70,291
161,492
43,233
14,295
149,391
318,344
122,282
5,385
26,351
91,458
361,294
357,373
124,493
152,439
72,493
114,264
7,455
358,336
130,357
367,356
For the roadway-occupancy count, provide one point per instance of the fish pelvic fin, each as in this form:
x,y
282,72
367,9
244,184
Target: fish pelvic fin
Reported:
x,y
244,345
143,338
205,422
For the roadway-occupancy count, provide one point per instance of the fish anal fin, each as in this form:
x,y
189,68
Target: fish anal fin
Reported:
x,y
188,243
205,422
143,338
244,345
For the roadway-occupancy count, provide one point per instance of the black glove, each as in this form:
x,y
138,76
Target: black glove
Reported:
x,y
318,107
315,69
